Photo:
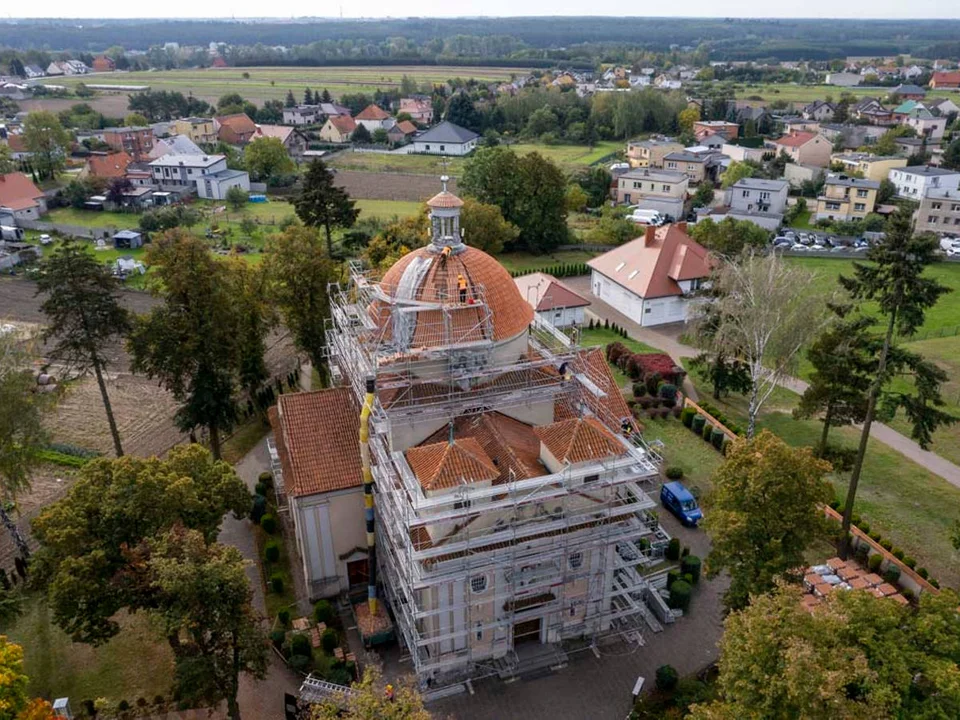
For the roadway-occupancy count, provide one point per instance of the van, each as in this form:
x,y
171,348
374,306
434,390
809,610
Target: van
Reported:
x,y
948,244
646,217
681,502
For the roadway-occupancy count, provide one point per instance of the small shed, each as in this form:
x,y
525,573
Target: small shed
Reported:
x,y
127,240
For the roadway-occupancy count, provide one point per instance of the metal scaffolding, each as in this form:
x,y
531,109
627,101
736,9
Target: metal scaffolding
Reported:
x,y
468,572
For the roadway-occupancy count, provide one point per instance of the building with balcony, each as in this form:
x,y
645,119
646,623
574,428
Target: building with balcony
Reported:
x,y
662,190
846,198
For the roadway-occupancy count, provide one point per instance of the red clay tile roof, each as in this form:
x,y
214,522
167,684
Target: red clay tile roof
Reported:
x,y
653,268
234,127
113,165
373,112
406,127
511,315
317,439
795,139
448,465
946,78
545,292
444,199
343,123
17,192
579,440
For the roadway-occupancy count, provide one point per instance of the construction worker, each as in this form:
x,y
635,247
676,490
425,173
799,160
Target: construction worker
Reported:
x,y
389,693
445,253
462,287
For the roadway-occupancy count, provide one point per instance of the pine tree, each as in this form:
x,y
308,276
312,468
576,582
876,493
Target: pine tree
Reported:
x,y
291,101
326,96
321,203
308,97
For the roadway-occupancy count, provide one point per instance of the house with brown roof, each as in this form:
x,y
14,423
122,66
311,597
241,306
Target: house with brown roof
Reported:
x,y
107,165
552,300
293,139
236,129
21,198
655,278
338,129
945,80
401,132
373,118
103,63
805,148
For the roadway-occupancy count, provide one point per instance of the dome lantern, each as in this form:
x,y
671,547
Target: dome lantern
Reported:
x,y
445,219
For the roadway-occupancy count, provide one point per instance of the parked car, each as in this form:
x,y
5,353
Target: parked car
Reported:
x,y
681,502
838,248
45,239
782,240
948,244
799,248
646,217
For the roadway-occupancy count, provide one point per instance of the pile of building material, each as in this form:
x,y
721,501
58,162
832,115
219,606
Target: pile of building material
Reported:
x,y
836,574
374,629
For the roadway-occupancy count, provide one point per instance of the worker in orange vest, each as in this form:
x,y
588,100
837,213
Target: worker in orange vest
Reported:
x,y
389,693
462,287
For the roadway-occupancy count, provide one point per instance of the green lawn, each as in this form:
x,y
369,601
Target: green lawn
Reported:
x,y
802,221
136,663
602,337
93,218
572,156
697,458
805,93
529,262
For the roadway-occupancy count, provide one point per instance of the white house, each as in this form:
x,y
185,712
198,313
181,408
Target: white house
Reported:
x,y
758,195
652,279
552,300
913,182
374,117
302,115
446,139
207,174
215,186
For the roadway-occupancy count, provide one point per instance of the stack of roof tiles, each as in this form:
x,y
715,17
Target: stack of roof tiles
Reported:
x,y
836,574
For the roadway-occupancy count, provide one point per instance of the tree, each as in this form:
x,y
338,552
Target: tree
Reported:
x,y
204,599
135,120
290,101
15,702
190,342
461,111
766,312
735,172
841,374
485,228
887,191
729,237
703,197
84,317
576,198
237,197
45,137
372,701
248,284
90,541
308,97
951,155
322,203
763,513
300,269
16,68
230,100
380,137
326,97
854,656
21,428
7,163
895,282
596,182
361,136
687,117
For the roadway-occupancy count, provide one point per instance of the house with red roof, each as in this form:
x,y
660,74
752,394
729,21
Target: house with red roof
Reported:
x,y
374,117
945,80
107,165
338,129
805,148
653,279
236,129
551,300
23,199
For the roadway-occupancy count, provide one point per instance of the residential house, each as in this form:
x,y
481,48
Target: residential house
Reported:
x,y
741,153
909,92
203,131
552,300
945,80
819,110
797,124
176,144
871,110
303,115
665,82
692,165
907,146
338,129
54,69
652,279
727,130
752,114
419,108
136,141
846,198
805,148
332,109
33,71
102,63
944,107
237,129
797,175
651,189
373,118
650,153
293,139
216,185
67,67
18,147
851,136
757,195
208,175
901,111
939,212
926,123
401,132
446,139
21,198
219,62
872,167
107,165
844,79
914,182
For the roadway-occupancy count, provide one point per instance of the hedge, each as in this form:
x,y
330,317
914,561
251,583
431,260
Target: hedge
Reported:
x,y
686,416
673,549
691,566
272,551
674,473
717,438
667,678
707,432
59,458
680,593
565,270
269,524
697,423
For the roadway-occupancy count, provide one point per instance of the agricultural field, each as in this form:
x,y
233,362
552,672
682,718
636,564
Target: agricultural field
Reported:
x,y
805,93
272,83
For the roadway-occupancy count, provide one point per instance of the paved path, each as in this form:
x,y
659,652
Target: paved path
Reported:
x,y
262,699
666,338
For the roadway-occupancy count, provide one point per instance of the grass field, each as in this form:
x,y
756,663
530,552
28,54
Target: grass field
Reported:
x,y
92,218
528,262
267,83
808,93
698,459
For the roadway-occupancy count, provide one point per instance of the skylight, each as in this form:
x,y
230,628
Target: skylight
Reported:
x,y
619,267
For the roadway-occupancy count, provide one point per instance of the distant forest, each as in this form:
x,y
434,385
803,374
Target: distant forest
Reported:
x,y
577,40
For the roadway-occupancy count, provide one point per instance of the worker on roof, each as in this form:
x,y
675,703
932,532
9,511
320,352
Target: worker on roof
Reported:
x,y
462,287
445,253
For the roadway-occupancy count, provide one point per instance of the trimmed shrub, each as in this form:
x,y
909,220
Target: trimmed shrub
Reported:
x,y
724,446
674,473
329,640
908,594
272,551
697,423
680,593
269,524
644,402
667,678
717,438
923,572
300,645
276,583
123,706
875,536
892,573
691,566
862,553
323,612
935,583
707,432
639,389
300,663
687,578
260,489
864,527
672,577
685,552
673,549
875,562
910,562
259,509
898,553
266,478
653,380
686,416
284,617
886,545
835,504
277,637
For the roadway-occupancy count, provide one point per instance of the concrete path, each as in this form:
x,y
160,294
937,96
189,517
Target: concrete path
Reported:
x,y
263,699
666,338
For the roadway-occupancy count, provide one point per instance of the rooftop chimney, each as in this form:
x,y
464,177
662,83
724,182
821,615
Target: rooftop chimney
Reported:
x,y
649,235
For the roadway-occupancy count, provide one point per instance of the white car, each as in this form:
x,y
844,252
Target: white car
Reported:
x,y
45,239
799,248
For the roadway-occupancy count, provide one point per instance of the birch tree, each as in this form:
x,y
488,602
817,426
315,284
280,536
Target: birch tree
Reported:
x,y
764,314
